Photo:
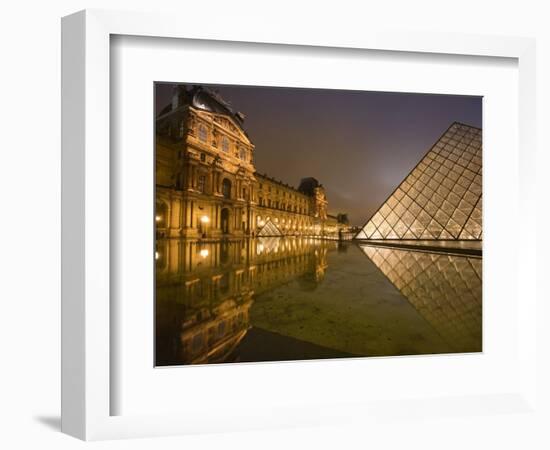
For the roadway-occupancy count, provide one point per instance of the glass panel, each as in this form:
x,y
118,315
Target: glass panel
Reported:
x,y
453,228
469,174
431,208
459,190
464,182
406,201
400,228
369,229
408,218
385,210
476,214
475,188
376,235
435,228
399,194
442,217
392,218
384,228
424,218
459,217
471,198
465,207
399,210
437,200
426,235
417,228
433,184
453,199
443,191
452,176
415,209
377,219
447,207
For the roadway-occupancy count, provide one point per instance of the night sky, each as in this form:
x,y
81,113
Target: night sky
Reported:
x,y
359,145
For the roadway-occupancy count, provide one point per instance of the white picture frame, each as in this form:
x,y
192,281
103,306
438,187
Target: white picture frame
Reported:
x,y
87,386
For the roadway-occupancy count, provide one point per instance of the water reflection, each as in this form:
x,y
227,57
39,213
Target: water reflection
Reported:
x,y
445,290
301,298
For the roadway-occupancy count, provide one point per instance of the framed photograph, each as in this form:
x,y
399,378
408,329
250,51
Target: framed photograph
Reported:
x,y
250,268
265,231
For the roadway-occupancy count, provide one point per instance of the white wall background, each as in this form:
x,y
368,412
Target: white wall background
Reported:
x,y
30,197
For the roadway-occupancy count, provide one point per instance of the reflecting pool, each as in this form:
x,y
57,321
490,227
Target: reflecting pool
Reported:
x,y
280,299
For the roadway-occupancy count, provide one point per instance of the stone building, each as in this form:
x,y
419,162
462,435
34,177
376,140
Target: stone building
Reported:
x,y
207,186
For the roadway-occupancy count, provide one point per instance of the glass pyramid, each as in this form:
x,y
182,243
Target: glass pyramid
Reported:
x,y
440,198
270,229
445,289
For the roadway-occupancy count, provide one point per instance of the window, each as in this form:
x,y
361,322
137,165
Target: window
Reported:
x,y
242,154
203,134
225,144
202,183
203,157
226,188
261,200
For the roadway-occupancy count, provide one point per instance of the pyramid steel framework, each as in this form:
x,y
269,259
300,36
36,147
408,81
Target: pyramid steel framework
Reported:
x,y
440,199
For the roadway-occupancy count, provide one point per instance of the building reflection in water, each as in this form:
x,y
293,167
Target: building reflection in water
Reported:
x,y
206,293
205,290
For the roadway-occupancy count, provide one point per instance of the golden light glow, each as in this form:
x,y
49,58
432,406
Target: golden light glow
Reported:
x,y
205,219
204,252
157,256
158,218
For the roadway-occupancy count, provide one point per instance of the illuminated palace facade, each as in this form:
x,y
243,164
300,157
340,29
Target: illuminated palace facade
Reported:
x,y
207,186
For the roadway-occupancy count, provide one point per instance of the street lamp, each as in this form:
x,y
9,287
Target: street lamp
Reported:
x,y
204,221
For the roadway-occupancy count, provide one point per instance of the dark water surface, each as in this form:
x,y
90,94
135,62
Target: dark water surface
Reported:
x,y
277,299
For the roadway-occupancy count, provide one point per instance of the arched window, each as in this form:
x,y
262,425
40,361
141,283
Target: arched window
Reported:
x,y
225,144
203,133
226,188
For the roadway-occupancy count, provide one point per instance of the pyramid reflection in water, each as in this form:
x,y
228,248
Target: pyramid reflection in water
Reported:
x,y
440,198
444,289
